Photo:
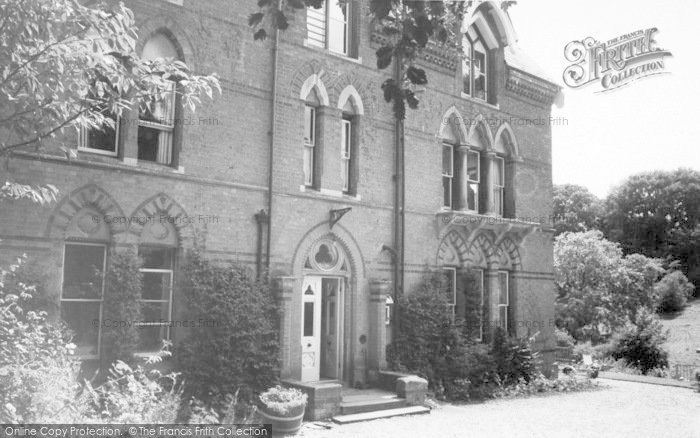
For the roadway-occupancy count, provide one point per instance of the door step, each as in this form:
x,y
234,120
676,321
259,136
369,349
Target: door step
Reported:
x,y
360,406
385,413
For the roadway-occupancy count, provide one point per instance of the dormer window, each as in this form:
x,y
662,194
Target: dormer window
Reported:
x,y
329,27
474,66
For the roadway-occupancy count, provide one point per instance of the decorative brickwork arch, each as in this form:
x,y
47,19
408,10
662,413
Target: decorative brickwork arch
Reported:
x,y
351,250
453,120
349,93
454,250
168,27
511,249
479,129
311,76
161,216
87,213
505,136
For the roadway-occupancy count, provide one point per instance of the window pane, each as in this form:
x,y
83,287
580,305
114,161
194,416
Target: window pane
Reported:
x,y
498,171
104,139
154,326
473,304
156,286
473,166
309,125
346,138
466,65
80,318
308,165
308,319
503,317
447,166
157,258
479,75
83,271
337,27
161,109
473,196
498,200
346,174
446,191
503,288
316,26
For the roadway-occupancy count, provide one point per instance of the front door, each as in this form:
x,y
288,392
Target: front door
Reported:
x,y
311,329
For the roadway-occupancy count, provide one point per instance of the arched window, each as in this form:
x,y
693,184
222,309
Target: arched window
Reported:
x,y
311,151
157,118
351,105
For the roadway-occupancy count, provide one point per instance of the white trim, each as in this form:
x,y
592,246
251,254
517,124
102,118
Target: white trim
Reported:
x,y
348,92
314,82
84,147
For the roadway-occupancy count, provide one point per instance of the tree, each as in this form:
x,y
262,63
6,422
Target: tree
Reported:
x,y
64,65
658,214
575,209
599,288
408,25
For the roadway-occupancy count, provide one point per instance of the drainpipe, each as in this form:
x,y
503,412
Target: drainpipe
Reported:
x,y
399,199
273,125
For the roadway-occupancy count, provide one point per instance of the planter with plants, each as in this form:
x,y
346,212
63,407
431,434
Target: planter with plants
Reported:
x,y
284,408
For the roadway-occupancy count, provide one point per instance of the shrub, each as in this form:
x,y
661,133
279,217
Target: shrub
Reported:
x,y
513,358
641,344
37,376
123,285
238,349
285,402
564,339
673,290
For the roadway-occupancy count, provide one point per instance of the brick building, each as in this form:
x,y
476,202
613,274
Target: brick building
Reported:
x,y
299,133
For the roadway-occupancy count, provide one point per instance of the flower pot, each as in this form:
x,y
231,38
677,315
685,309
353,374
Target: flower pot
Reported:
x,y
283,425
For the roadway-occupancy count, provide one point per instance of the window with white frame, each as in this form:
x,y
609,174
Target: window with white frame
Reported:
x,y
503,300
473,175
156,296
474,67
450,285
346,154
103,141
447,174
329,26
309,145
157,116
498,178
81,294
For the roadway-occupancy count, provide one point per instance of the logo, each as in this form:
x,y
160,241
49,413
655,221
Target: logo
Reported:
x,y
614,63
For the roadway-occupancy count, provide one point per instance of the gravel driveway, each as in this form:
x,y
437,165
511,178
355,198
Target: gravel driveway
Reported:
x,y
620,409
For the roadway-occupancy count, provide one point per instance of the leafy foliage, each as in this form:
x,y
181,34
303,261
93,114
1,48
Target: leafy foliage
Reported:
x,y
121,307
43,195
640,345
575,209
67,65
409,26
673,291
599,288
658,214
37,378
285,402
513,358
236,349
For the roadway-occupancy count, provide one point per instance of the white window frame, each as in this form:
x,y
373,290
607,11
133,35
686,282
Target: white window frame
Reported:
x,y
318,33
84,145
87,300
505,305
309,145
476,181
469,61
479,73
499,186
165,156
170,271
447,176
346,153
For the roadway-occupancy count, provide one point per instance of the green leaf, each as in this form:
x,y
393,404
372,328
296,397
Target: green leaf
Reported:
x,y
384,55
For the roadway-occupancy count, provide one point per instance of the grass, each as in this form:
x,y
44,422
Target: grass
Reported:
x,y
684,334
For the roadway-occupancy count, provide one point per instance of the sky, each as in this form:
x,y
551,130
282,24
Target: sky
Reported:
x,y
648,125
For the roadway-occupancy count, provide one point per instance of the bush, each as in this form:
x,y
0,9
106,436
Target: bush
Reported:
x,y
564,339
237,350
37,376
673,290
640,345
513,358
123,285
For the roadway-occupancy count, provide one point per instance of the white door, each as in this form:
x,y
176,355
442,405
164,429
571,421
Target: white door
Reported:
x,y
311,329
331,349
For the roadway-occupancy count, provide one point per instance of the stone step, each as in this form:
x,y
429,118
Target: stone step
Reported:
x,y
378,404
375,415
